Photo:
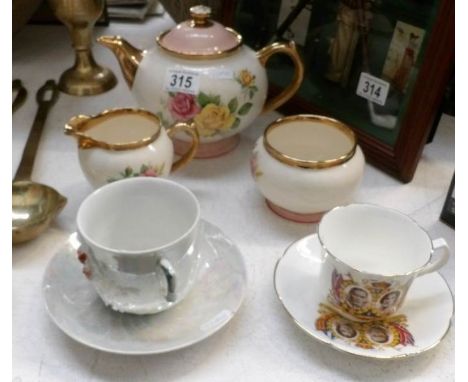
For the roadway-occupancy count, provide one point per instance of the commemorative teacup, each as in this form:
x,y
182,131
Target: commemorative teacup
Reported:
x,y
371,255
139,243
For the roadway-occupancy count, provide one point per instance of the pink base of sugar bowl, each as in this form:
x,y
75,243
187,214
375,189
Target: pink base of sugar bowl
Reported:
x,y
294,216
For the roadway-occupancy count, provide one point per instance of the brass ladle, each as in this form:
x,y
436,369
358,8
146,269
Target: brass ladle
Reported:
x,y
34,205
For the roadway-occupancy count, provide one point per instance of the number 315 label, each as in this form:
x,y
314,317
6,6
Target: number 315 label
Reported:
x,y
183,81
372,88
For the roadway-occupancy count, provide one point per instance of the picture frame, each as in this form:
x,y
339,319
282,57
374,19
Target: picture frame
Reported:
x,y
418,87
448,210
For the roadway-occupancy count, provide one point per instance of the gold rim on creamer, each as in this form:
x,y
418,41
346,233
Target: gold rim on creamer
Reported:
x,y
79,124
201,56
304,163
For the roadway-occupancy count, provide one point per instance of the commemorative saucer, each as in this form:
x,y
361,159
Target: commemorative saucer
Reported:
x,y
419,325
76,309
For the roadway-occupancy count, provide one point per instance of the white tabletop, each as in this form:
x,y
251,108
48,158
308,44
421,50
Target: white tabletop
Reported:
x,y
261,343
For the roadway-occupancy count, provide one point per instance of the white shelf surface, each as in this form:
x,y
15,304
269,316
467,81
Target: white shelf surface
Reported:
x,y
261,343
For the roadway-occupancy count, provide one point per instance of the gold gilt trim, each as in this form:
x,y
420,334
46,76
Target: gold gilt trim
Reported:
x,y
289,49
78,125
313,164
128,56
198,56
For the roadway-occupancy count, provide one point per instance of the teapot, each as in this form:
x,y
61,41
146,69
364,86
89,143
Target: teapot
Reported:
x,y
126,143
200,72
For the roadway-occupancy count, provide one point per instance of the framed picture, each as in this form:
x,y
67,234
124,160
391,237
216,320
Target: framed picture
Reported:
x,y
381,66
448,210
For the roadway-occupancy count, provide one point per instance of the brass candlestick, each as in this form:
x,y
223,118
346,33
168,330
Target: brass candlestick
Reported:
x,y
86,77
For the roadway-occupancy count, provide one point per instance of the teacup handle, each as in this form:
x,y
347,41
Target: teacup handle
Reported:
x,y
170,275
192,131
288,48
439,245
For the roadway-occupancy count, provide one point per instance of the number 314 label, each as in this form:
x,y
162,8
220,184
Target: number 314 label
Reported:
x,y
183,81
372,88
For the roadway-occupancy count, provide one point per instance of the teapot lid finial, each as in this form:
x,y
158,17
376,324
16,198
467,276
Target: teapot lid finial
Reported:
x,y
200,15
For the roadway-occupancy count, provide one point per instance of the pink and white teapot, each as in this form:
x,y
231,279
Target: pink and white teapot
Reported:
x,y
199,71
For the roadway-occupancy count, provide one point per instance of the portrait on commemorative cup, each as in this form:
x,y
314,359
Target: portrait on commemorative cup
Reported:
x,y
390,300
378,334
357,297
346,330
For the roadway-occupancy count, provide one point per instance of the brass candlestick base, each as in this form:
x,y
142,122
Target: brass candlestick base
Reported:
x,y
93,80
86,77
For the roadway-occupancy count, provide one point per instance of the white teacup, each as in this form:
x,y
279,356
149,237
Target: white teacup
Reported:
x,y
371,255
139,243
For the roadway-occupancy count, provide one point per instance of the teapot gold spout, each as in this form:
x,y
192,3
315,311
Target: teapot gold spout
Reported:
x,y
128,56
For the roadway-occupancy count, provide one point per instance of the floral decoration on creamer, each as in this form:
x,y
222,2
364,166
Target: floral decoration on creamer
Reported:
x,y
145,170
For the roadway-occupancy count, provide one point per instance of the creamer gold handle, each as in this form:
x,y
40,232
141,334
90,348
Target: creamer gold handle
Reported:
x,y
288,48
192,131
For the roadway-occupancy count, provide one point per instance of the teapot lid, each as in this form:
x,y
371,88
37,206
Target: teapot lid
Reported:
x,y
200,37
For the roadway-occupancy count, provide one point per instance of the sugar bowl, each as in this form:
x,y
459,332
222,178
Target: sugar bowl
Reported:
x,y
305,165
124,143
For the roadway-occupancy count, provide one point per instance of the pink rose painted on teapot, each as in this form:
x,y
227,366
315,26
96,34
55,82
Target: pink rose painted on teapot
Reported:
x,y
183,106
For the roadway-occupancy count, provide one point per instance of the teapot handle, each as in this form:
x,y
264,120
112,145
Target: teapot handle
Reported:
x,y
192,131
288,48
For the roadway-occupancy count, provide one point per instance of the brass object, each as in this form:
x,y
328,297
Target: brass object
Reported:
x,y
128,56
21,94
190,154
34,205
86,77
288,48
296,162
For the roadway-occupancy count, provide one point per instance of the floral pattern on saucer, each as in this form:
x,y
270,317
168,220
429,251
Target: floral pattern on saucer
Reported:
x,y
391,332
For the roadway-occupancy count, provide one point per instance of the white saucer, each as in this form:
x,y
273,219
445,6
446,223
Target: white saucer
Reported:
x,y
420,325
74,306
